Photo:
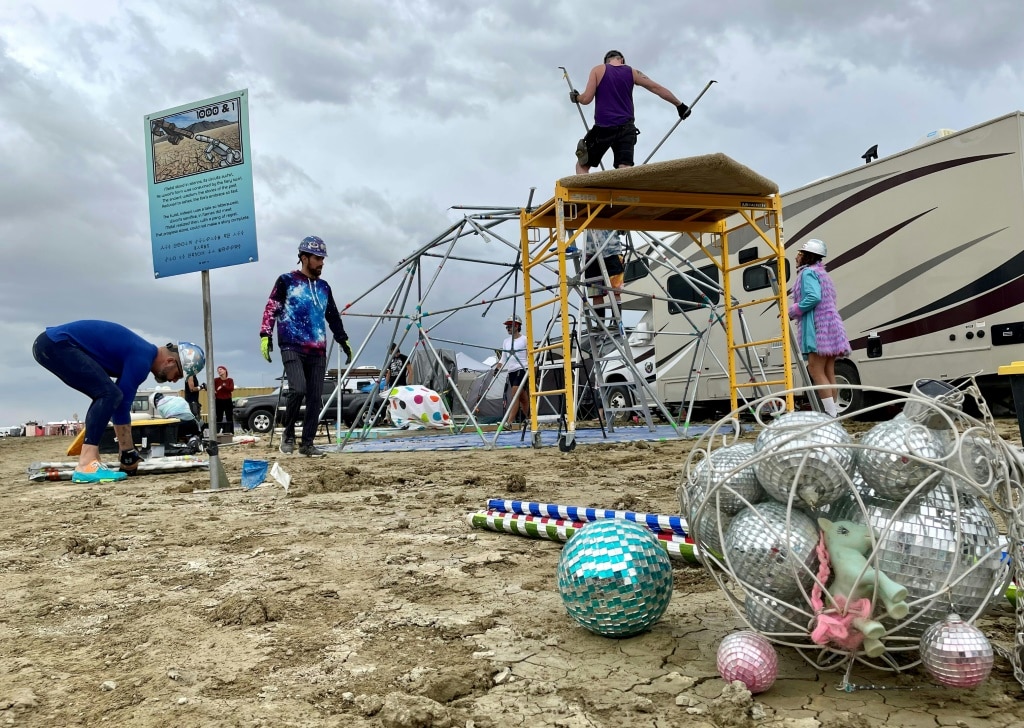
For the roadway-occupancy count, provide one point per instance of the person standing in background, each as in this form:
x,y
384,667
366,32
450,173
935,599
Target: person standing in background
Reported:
x,y
303,307
223,391
192,389
822,337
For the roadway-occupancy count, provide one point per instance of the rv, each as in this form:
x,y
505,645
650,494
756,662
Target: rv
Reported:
x,y
925,248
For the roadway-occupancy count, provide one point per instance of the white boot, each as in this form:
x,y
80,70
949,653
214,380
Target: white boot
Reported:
x,y
830,406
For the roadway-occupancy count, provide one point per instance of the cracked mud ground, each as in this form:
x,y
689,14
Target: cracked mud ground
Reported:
x,y
362,598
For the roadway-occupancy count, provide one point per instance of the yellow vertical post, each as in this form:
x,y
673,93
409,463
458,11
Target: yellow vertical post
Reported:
x,y
780,261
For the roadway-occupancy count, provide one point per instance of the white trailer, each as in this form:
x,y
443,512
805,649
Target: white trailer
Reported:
x,y
926,248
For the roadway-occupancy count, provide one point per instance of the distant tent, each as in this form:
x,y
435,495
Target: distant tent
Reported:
x,y
487,396
427,371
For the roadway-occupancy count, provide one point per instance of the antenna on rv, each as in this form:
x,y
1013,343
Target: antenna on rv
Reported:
x,y
870,154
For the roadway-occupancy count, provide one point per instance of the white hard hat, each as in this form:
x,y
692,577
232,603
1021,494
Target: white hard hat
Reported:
x,y
815,246
513,320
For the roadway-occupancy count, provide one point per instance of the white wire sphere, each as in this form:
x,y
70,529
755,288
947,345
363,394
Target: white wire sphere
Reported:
x,y
710,479
956,654
923,544
768,550
806,453
894,460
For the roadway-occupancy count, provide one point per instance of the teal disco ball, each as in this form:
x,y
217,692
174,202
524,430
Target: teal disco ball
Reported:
x,y
614,578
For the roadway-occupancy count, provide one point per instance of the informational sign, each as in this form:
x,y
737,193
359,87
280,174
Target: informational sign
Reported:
x,y
201,207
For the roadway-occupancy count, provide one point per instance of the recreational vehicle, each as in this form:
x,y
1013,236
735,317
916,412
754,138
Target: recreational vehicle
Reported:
x,y
925,248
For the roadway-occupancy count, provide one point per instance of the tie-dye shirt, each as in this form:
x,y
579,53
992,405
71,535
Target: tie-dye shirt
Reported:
x,y
303,307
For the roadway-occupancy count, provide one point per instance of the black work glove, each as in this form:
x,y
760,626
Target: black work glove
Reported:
x,y
574,96
684,111
130,460
347,348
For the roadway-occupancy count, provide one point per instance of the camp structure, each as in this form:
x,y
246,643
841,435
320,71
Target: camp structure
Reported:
x,y
499,263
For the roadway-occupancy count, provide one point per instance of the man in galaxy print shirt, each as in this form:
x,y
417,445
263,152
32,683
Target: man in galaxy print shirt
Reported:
x,y
303,306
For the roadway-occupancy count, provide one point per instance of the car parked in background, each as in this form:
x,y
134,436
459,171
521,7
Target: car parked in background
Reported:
x,y
256,413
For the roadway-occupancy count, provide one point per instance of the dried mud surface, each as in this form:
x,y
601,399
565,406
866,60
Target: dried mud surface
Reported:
x,y
362,598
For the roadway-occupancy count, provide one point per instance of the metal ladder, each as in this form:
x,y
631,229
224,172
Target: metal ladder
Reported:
x,y
607,346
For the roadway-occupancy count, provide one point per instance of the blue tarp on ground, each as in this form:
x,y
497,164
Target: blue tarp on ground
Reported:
x,y
549,438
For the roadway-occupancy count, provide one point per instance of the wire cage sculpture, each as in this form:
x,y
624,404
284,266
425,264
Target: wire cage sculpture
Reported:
x,y
938,492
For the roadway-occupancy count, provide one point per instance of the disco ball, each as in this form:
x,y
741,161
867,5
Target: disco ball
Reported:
x,y
710,478
892,466
770,616
943,536
770,552
807,453
614,578
956,654
750,658
707,529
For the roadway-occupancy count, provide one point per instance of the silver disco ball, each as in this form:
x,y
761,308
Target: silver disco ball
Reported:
x,y
707,529
730,494
806,453
774,618
929,543
769,552
890,463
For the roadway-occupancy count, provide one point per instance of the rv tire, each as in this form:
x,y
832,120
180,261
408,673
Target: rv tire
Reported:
x,y
848,400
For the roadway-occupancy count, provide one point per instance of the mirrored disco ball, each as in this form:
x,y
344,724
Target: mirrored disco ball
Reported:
x,y
927,542
770,616
750,658
807,452
710,479
889,468
956,654
708,528
614,578
765,554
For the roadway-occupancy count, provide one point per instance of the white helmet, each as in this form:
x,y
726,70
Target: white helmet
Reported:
x,y
815,246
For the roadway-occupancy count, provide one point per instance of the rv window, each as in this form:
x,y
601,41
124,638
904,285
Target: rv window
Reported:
x,y
756,277
635,270
747,254
694,291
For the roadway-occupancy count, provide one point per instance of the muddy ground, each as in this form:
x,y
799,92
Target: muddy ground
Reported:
x,y
361,597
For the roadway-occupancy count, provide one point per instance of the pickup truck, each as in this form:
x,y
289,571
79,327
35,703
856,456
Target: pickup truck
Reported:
x,y
256,413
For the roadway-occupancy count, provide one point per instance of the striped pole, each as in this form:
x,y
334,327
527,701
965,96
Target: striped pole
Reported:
x,y
557,529
584,514
41,472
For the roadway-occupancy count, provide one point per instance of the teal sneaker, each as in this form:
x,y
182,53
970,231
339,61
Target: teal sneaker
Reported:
x,y
99,475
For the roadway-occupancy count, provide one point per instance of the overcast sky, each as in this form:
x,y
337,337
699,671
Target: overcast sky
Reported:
x,y
369,121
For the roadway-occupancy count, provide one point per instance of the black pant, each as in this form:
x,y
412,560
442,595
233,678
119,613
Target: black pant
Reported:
x,y
225,416
305,373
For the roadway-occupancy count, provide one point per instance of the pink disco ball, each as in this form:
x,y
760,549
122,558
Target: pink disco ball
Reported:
x,y
750,658
955,653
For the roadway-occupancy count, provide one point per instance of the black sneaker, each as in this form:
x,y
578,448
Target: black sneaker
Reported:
x,y
311,451
287,447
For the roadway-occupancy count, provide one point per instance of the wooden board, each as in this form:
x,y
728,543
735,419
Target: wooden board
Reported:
x,y
715,174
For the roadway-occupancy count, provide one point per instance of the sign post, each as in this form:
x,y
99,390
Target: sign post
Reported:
x,y
201,206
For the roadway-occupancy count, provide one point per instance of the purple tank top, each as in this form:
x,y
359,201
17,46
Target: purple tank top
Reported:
x,y
614,97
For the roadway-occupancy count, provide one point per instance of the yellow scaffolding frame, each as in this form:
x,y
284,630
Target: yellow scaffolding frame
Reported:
x,y
694,214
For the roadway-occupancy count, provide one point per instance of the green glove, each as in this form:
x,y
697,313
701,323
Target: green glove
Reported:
x,y
347,348
266,346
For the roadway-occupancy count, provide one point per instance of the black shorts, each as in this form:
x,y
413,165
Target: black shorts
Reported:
x,y
613,264
515,378
620,139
